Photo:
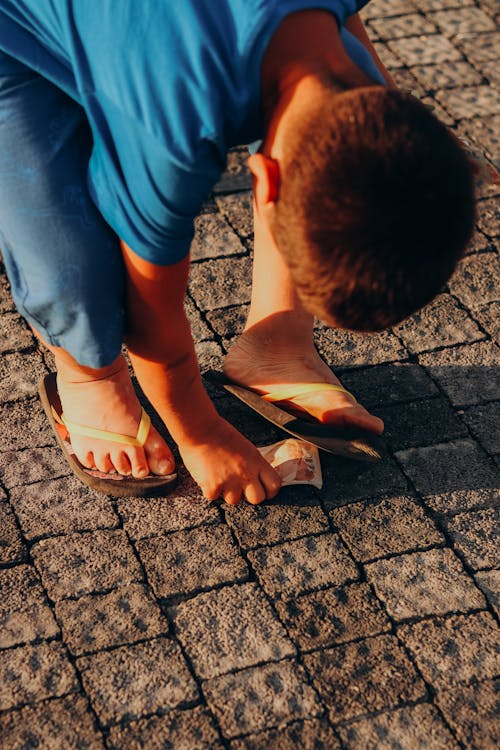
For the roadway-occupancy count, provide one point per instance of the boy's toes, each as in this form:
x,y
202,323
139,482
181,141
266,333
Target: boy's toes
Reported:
x,y
121,463
158,455
103,462
138,463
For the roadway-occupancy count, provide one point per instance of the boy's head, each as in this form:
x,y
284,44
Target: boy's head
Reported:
x,y
375,206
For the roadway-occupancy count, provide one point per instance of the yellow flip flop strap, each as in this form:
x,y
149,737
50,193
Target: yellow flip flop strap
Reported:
x,y
289,392
115,437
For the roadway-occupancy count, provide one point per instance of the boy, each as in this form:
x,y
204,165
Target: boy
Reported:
x,y
363,204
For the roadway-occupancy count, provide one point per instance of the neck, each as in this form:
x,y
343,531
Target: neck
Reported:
x,y
307,44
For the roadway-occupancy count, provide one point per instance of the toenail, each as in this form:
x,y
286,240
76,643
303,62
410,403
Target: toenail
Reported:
x,y
142,472
164,467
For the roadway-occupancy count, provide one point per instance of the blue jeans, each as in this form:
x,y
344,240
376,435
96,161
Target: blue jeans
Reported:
x,y
63,261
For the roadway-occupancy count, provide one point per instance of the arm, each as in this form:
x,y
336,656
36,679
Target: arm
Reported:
x,y
162,351
355,25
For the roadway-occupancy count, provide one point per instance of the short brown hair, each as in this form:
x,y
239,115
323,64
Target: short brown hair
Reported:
x,y
376,206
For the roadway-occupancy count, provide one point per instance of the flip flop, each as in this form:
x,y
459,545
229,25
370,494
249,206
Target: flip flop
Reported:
x,y
115,485
351,442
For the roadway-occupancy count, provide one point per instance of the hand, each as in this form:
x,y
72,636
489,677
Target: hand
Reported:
x,y
227,465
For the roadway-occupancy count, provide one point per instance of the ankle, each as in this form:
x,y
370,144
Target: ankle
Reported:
x,y
71,372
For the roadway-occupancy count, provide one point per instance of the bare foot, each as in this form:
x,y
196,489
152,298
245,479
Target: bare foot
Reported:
x,y
252,363
110,403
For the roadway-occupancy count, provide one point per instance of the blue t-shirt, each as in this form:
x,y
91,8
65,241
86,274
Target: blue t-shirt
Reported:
x,y
167,86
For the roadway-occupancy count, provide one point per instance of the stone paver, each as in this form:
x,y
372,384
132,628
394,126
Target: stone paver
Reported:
x,y
442,323
360,616
333,616
261,698
388,526
80,564
303,565
61,506
417,726
472,712
188,561
29,674
59,724
424,583
149,516
25,614
311,734
296,515
454,650
359,678
97,622
12,548
476,537
137,680
183,730
489,582
230,629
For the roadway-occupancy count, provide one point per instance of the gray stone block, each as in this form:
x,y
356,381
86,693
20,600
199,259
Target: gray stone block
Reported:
x,y
342,349
12,548
192,560
20,375
345,480
386,527
221,282
472,101
261,698
457,465
389,384
483,421
424,50
214,238
442,323
143,517
230,629
489,318
61,506
411,24
14,333
24,425
312,734
413,728
462,21
191,729
476,537
25,614
489,583
132,681
364,677
29,674
333,616
57,724
476,281
472,712
125,615
18,468
287,570
228,321
238,211
71,566
447,75
455,650
294,513
420,423
424,583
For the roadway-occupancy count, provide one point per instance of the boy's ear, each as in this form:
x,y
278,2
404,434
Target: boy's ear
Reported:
x,y
266,178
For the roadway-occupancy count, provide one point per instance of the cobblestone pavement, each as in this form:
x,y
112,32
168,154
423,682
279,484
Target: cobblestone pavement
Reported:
x,y
360,616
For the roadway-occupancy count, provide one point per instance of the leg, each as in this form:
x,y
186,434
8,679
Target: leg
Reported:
x,y
65,266
277,345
